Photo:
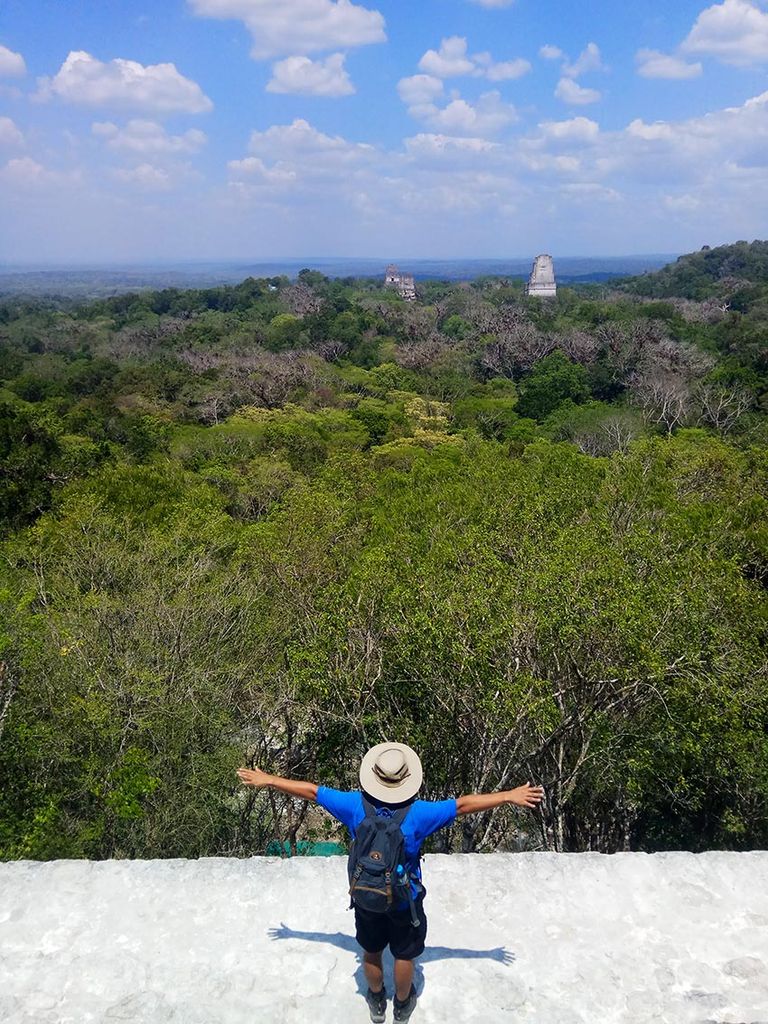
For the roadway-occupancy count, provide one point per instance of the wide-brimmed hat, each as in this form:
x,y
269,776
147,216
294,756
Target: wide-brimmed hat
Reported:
x,y
391,772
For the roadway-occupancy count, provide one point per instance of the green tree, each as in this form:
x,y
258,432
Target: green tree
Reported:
x,y
552,381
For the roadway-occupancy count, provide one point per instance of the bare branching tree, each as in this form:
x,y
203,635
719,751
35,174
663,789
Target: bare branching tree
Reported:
x,y
723,407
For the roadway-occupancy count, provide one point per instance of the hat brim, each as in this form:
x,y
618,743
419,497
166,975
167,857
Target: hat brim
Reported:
x,y
391,794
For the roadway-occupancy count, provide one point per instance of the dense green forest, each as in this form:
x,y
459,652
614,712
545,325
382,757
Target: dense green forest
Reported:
x,y
278,522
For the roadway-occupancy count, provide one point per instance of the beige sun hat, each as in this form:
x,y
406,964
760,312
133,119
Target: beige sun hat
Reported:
x,y
391,772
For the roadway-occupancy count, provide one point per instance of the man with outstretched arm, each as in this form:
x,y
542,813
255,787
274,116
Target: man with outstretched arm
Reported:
x,y
390,777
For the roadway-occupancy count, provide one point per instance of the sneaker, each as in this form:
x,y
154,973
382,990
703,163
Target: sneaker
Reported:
x,y
404,1010
377,1004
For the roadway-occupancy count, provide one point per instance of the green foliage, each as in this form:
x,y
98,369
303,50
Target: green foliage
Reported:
x,y
708,272
237,533
284,332
29,455
554,380
493,418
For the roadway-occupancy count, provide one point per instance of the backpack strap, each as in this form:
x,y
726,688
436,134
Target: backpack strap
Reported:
x,y
401,814
368,807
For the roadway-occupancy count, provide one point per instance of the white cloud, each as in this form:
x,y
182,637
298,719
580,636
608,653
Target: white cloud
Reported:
x,y
10,135
306,77
735,31
736,135
318,171
11,64
24,172
301,142
124,83
650,132
577,129
286,27
486,117
146,177
140,136
549,52
453,61
571,92
508,69
588,60
430,145
458,117
419,93
654,64
450,61
253,169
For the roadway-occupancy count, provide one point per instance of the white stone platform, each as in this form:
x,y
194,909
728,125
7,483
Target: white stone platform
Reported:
x,y
526,938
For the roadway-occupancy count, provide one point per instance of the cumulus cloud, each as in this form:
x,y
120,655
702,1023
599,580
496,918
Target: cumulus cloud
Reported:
x,y
588,60
314,168
453,60
450,61
159,88
10,136
301,142
690,155
253,170
654,64
735,31
298,26
26,173
549,52
571,92
577,129
735,133
139,136
505,70
307,77
487,116
420,91
430,145
12,64
145,177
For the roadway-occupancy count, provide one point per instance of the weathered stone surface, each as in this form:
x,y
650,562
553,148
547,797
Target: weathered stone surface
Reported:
x,y
527,938
542,280
403,283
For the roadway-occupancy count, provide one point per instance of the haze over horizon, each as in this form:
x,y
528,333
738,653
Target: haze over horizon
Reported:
x,y
242,130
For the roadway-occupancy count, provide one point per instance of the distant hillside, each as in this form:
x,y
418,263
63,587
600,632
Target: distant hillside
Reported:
x,y
102,282
721,271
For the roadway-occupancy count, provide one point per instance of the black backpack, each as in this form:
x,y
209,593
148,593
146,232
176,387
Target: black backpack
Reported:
x,y
378,880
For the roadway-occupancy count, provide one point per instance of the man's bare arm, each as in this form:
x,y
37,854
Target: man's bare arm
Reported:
x,y
523,796
260,780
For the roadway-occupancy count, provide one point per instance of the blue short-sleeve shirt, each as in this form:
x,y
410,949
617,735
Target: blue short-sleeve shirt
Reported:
x,y
424,817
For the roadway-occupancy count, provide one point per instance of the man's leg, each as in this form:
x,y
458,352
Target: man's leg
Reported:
x,y
403,978
374,973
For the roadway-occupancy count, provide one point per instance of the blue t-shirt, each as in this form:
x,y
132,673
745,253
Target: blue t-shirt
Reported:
x,y
424,817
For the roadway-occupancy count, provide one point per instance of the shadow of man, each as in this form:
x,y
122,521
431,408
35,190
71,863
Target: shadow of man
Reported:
x,y
432,953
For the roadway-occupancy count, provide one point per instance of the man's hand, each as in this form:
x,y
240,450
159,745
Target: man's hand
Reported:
x,y
527,795
258,779
254,777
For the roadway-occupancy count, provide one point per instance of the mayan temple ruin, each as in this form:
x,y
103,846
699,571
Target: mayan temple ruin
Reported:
x,y
404,283
542,282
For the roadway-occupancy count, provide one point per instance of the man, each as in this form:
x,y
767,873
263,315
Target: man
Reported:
x,y
390,777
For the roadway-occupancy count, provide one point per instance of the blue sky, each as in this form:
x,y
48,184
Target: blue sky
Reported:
x,y
216,129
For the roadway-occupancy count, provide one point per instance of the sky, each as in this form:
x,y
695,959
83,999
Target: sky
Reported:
x,y
133,131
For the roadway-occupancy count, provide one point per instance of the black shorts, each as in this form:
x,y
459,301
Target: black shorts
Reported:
x,y
375,932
